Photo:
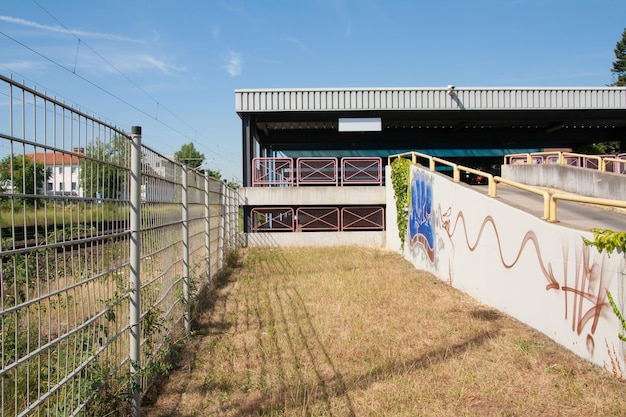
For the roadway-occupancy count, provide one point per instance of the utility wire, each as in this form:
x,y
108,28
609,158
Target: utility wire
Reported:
x,y
158,104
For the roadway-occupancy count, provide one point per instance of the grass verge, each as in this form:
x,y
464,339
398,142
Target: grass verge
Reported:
x,y
359,332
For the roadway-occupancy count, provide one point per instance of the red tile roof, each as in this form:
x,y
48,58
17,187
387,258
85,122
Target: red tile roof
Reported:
x,y
54,158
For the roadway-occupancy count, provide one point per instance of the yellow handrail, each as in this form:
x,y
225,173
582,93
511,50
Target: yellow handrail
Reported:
x,y
607,160
491,187
581,199
549,201
529,188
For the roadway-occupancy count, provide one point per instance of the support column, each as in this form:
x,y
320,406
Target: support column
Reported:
x,y
247,144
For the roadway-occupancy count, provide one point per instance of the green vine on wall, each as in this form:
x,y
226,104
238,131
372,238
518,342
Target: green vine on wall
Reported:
x,y
607,240
400,176
610,241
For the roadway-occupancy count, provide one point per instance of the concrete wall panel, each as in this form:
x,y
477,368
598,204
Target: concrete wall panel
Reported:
x,y
538,272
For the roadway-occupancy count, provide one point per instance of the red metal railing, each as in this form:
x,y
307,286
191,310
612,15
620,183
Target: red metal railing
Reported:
x,y
317,219
618,167
572,161
523,160
272,172
362,218
317,171
306,219
604,163
280,172
361,171
272,219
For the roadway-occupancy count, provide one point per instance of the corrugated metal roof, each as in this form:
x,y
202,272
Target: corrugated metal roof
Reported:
x,y
460,98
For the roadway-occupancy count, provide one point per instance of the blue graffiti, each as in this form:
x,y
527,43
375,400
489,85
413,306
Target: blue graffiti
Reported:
x,y
421,224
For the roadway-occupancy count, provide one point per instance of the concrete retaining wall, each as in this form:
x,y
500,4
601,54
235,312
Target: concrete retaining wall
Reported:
x,y
292,239
312,196
584,181
538,272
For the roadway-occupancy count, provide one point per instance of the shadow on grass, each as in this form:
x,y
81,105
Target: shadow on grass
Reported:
x,y
305,392
328,385
210,294
427,360
206,299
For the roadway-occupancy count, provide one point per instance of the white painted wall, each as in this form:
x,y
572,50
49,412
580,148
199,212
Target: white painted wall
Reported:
x,y
62,177
538,272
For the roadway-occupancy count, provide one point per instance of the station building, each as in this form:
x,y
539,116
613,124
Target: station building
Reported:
x,y
314,160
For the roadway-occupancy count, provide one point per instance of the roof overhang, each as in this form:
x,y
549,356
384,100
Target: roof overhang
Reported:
x,y
435,118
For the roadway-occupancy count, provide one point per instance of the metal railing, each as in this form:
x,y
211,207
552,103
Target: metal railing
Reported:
x,y
105,245
272,219
281,172
432,161
549,198
275,172
362,218
362,170
317,171
602,163
318,219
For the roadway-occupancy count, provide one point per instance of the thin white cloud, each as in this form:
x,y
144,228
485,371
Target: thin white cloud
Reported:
x,y
141,63
58,29
216,32
160,65
297,42
19,66
234,64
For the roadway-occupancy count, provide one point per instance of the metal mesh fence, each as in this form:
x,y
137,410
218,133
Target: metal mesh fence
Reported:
x,y
68,277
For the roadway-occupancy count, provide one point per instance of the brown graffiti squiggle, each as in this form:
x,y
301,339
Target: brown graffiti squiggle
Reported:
x,y
530,236
586,289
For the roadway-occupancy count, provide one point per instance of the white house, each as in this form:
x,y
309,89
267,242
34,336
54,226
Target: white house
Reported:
x,y
64,172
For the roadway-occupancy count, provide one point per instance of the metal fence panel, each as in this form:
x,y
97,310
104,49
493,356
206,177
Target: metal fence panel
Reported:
x,y
317,219
317,171
363,218
66,264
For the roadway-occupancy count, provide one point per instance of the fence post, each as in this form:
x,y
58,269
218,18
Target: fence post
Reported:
x,y
207,227
235,217
135,262
229,224
221,242
185,231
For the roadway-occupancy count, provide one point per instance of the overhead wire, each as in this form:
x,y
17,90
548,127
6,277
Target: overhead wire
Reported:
x,y
159,105
117,70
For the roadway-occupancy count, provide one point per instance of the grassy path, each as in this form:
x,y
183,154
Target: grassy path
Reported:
x,y
359,332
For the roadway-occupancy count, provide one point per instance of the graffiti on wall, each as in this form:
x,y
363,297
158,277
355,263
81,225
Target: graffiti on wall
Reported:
x,y
582,281
421,221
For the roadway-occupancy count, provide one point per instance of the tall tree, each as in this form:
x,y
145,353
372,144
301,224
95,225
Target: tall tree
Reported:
x,y
25,174
214,173
188,154
619,65
105,172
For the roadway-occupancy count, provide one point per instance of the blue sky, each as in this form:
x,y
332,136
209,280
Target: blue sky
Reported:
x,y
172,66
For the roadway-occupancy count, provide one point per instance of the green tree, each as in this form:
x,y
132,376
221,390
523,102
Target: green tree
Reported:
x,y
188,154
104,171
26,175
600,148
214,173
619,65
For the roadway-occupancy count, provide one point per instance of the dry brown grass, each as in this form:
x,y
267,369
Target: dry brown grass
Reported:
x,y
359,332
